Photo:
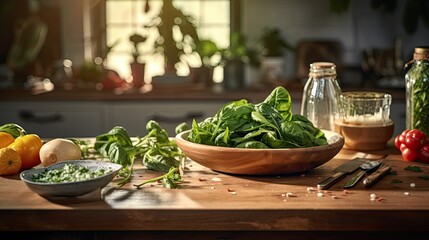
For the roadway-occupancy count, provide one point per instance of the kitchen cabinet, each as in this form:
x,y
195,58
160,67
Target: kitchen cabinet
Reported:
x,y
134,115
51,119
89,118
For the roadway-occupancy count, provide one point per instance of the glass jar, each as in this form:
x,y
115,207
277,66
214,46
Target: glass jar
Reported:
x,y
321,95
364,108
417,91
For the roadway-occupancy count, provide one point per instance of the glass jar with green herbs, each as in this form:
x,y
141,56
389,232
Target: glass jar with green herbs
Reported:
x,y
417,91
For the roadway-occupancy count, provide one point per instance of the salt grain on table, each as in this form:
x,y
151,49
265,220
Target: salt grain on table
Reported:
x,y
216,179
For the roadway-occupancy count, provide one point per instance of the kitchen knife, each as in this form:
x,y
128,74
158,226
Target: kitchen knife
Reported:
x,y
341,171
377,175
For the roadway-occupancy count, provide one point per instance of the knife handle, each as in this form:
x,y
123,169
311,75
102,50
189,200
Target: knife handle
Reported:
x,y
377,175
354,179
325,184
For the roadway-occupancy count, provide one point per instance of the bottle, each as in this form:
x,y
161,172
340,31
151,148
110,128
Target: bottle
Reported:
x,y
417,91
321,94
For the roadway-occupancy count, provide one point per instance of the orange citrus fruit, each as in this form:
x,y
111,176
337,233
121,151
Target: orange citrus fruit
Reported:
x,y
5,139
10,161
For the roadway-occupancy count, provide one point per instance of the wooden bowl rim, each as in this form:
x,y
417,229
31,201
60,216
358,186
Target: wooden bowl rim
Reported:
x,y
339,142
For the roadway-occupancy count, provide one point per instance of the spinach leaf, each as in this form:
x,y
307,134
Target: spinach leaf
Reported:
x,y
280,100
271,122
117,134
168,180
268,116
117,146
158,152
271,140
181,128
252,144
155,159
13,129
293,132
223,138
234,115
118,154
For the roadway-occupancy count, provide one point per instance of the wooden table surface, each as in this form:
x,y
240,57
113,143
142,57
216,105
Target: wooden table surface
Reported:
x,y
210,203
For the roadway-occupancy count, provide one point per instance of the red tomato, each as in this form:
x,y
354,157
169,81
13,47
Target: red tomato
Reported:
x,y
416,133
409,155
414,143
398,142
424,154
402,147
401,138
405,132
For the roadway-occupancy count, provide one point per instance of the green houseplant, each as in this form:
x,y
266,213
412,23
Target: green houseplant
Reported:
x,y
206,50
172,44
273,48
273,44
234,57
137,68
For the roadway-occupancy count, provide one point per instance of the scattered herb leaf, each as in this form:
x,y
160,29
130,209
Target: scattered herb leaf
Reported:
x,y
158,152
413,168
168,180
424,177
394,181
393,173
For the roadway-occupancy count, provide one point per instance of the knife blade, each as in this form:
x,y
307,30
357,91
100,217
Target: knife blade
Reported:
x,y
341,171
376,176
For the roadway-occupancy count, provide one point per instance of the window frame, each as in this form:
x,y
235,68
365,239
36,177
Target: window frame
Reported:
x,y
98,25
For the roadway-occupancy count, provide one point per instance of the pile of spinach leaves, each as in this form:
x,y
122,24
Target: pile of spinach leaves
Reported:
x,y
157,151
269,124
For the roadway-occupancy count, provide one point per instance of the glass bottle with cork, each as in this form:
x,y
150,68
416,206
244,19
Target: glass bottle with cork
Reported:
x,y
321,95
417,91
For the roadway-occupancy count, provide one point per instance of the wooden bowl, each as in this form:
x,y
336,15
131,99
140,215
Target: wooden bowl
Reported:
x,y
365,137
260,161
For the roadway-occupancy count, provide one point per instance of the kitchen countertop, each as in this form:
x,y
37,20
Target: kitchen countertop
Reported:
x,y
213,205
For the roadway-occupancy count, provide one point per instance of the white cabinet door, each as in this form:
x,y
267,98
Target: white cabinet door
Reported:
x,y
134,115
51,119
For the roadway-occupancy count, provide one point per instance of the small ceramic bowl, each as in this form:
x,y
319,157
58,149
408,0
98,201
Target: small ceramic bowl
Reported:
x,y
261,161
71,188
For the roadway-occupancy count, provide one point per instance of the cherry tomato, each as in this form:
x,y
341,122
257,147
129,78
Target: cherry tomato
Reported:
x,y
416,133
402,138
397,142
404,133
414,143
424,154
402,147
410,155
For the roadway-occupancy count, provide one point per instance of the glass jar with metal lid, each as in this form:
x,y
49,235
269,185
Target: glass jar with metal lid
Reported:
x,y
417,91
321,95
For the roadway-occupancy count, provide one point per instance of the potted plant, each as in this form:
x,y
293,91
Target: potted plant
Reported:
x,y
137,68
169,44
273,49
234,58
206,50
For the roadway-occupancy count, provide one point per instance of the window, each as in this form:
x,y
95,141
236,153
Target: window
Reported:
x,y
126,17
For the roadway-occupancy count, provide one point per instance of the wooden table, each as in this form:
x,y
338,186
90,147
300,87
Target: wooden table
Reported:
x,y
213,205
